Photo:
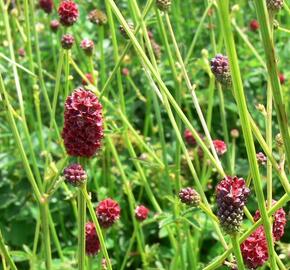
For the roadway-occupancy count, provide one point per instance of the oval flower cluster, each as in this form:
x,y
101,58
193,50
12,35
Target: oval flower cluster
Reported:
x,y
232,195
254,248
92,239
75,175
46,5
68,12
83,124
108,212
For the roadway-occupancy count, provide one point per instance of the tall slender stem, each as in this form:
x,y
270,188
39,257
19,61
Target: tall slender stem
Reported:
x,y
237,251
98,228
81,230
223,8
272,68
5,253
46,234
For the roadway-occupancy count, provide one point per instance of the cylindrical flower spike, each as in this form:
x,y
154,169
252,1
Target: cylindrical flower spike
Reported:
x,y
108,212
141,212
67,41
68,12
231,194
75,175
92,240
189,196
46,5
163,5
221,69
83,124
254,249
278,224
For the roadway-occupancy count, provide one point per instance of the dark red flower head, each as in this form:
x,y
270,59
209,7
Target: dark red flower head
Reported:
x,y
278,224
75,175
83,124
54,25
67,41
232,195
141,212
189,137
68,12
108,212
89,77
88,46
92,240
220,68
254,249
254,25
282,78
46,5
220,147
189,196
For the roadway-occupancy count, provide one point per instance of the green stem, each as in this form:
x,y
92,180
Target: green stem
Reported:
x,y
55,237
189,162
249,44
36,236
128,46
127,186
98,228
269,135
5,253
81,228
132,240
280,171
191,90
197,33
44,210
223,7
224,125
130,195
272,68
177,84
40,72
66,72
102,55
18,140
237,251
163,87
